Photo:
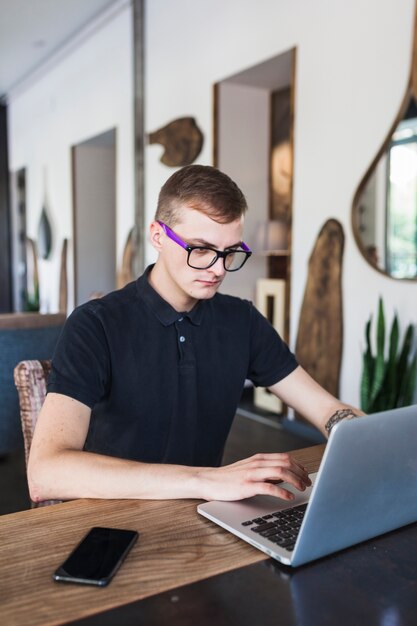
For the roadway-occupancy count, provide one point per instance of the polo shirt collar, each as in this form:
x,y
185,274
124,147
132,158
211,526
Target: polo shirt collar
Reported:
x,y
165,313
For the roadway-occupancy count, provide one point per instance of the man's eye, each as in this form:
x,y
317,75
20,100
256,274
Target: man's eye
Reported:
x,y
201,251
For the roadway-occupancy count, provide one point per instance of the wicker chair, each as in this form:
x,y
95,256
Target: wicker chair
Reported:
x,y
30,379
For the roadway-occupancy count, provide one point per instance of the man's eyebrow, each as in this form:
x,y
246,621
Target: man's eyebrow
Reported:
x,y
203,242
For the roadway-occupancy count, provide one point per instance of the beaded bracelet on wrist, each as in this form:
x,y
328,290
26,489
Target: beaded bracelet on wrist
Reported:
x,y
341,414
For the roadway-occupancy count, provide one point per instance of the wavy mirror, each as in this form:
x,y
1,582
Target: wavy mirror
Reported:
x,y
384,212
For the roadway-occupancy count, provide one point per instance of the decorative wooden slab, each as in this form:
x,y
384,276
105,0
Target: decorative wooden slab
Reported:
x,y
63,279
125,275
320,332
182,140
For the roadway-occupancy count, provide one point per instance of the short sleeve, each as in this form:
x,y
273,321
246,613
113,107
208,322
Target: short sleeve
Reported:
x,y
81,363
271,360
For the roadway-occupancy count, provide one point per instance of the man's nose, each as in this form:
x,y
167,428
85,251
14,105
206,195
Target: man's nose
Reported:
x,y
218,267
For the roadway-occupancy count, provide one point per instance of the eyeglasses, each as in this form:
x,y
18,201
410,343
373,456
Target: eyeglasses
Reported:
x,y
203,257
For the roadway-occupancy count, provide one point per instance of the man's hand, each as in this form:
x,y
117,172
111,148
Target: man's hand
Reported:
x,y
255,475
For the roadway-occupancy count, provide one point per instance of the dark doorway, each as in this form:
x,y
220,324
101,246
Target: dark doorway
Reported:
x,y
6,304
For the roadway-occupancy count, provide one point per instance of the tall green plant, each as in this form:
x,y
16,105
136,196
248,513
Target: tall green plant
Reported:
x,y
388,375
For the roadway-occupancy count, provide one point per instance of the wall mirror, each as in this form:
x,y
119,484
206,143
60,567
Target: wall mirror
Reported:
x,y
384,212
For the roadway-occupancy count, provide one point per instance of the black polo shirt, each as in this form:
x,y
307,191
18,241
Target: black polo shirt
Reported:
x,y
163,386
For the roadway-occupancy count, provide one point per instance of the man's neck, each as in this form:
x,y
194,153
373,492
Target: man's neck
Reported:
x,y
160,281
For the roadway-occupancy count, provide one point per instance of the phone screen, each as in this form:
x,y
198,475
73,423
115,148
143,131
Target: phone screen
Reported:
x,y
97,557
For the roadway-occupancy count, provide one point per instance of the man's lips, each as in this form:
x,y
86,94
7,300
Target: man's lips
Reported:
x,y
209,282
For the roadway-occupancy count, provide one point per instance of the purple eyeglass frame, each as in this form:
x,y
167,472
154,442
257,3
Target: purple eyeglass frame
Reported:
x,y
222,254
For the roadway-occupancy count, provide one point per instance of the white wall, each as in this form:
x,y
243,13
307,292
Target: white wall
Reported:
x,y
353,60
86,92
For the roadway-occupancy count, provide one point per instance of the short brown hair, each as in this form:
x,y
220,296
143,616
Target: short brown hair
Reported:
x,y
203,188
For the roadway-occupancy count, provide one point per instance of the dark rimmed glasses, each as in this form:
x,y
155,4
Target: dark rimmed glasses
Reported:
x,y
203,257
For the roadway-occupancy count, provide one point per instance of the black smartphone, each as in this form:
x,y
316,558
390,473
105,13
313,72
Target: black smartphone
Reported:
x,y
97,557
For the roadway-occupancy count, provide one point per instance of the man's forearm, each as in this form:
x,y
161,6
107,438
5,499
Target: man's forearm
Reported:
x,y
308,398
77,474
73,474
59,468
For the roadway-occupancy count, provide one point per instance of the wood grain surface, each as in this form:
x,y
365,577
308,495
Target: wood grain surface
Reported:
x,y
182,140
320,330
63,278
176,546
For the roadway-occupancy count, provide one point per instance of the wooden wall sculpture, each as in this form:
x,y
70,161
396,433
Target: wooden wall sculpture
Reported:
x,y
63,279
320,332
126,273
44,235
182,140
32,276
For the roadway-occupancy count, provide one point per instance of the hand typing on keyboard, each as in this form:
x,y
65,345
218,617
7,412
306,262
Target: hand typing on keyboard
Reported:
x,y
259,474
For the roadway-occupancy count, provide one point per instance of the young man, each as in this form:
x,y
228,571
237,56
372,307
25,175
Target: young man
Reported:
x,y
145,381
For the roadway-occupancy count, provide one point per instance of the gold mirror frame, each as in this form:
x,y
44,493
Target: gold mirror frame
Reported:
x,y
409,96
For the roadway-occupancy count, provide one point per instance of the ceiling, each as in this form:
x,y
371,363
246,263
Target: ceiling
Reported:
x,y
32,30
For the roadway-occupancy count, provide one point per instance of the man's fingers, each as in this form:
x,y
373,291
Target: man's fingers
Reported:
x,y
270,489
263,474
275,467
273,460
259,474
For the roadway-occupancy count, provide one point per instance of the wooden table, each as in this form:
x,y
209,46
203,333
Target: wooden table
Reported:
x,y
186,571
371,584
176,547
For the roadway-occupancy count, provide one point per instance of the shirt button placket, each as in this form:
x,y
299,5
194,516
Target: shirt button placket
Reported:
x,y
181,337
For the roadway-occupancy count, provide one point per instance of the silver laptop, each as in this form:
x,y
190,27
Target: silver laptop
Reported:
x,y
366,486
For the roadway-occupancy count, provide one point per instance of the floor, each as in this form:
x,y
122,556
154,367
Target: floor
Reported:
x,y
13,486
251,433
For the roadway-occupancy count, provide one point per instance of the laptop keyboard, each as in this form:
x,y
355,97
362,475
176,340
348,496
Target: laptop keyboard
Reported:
x,y
281,527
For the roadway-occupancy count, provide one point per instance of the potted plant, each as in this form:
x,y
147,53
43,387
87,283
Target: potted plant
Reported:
x,y
388,374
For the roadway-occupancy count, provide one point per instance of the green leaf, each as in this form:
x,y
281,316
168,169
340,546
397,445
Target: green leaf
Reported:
x,y
378,378
393,343
391,369
408,384
368,367
366,381
368,336
403,361
379,370
380,333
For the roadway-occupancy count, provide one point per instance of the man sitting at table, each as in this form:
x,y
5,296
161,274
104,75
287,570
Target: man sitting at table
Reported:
x,y
145,381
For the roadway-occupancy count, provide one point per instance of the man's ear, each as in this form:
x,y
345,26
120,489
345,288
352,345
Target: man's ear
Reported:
x,y
156,235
